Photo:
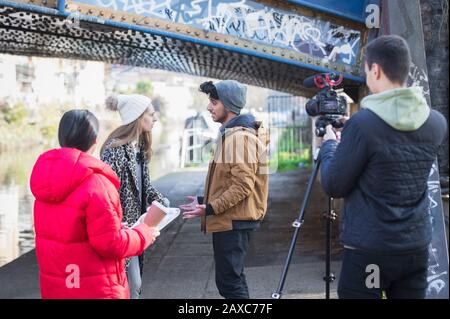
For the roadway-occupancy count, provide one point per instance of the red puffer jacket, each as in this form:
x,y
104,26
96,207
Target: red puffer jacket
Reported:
x,y
80,244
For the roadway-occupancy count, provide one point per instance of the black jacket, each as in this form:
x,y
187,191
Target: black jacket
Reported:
x,y
382,174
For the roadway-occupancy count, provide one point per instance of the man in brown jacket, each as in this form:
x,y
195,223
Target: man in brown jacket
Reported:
x,y
236,188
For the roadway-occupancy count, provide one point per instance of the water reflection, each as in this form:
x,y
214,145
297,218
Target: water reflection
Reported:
x,y
9,217
16,210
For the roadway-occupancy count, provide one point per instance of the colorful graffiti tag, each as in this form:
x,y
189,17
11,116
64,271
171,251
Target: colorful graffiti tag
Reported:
x,y
253,21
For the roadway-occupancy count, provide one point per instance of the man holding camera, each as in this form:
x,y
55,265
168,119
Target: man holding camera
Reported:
x,y
380,167
236,187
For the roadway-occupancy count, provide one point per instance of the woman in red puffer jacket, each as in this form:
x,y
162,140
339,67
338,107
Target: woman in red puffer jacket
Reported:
x,y
80,244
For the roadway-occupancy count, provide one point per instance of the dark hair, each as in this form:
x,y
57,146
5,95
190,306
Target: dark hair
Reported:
x,y
78,129
391,53
209,89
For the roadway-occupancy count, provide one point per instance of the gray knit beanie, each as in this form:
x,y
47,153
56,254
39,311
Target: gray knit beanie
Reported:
x,y
232,94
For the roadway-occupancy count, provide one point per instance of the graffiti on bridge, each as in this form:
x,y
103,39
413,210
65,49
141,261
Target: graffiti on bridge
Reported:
x,y
253,21
418,77
438,253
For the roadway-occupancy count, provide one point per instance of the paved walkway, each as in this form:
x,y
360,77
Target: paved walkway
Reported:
x,y
180,264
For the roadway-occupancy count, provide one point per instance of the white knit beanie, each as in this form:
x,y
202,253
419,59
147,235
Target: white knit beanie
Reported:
x,y
130,106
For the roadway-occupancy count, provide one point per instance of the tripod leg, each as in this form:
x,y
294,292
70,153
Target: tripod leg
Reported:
x,y
330,216
297,224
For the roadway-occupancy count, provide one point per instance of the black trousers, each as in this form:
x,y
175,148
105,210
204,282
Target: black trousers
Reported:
x,y
401,276
230,250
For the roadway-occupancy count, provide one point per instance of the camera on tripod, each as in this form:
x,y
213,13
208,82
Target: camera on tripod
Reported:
x,y
326,104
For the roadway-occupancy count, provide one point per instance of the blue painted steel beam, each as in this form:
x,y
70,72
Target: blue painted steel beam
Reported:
x,y
181,37
29,7
354,10
61,5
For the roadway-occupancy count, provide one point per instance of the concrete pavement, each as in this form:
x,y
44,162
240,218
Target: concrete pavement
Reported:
x,y
183,266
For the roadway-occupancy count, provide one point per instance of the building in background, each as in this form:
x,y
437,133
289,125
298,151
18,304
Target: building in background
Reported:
x,y
36,81
199,134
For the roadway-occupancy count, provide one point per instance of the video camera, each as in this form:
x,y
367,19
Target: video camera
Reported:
x,y
326,103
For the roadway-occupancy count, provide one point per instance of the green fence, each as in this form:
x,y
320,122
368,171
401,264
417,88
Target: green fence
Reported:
x,y
290,132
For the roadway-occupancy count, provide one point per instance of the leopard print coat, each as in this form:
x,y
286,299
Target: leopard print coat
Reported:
x,y
122,160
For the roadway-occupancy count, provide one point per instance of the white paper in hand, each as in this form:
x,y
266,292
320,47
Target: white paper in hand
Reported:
x,y
171,214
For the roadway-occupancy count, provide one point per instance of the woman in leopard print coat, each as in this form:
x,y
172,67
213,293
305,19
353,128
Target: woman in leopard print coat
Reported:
x,y
128,151
123,160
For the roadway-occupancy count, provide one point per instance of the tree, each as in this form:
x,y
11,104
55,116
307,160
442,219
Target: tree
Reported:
x,y
144,88
159,103
15,115
199,101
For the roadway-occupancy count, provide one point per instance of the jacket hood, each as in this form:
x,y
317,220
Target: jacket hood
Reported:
x,y
404,109
249,123
57,173
245,120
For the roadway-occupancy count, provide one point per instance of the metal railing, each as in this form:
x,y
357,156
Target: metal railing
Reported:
x,y
290,131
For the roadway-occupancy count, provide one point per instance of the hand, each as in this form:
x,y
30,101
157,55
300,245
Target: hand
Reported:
x,y
192,205
198,211
338,131
154,232
344,119
329,135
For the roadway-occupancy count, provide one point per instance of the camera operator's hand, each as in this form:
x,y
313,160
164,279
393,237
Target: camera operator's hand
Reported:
x,y
330,134
343,120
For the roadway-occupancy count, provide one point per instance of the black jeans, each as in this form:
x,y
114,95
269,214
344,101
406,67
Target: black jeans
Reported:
x,y
230,250
401,276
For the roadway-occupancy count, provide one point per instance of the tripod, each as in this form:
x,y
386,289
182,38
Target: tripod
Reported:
x,y
330,216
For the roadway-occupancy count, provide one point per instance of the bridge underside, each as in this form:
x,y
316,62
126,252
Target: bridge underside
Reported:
x,y
45,35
